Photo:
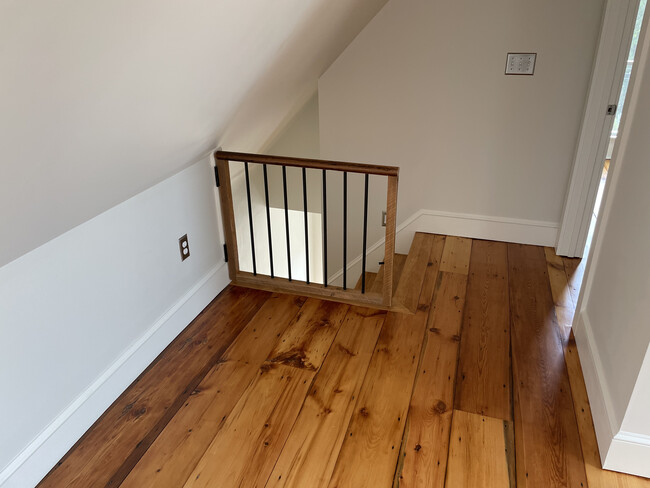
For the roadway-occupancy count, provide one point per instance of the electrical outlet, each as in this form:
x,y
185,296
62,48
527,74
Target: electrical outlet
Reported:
x,y
383,218
184,247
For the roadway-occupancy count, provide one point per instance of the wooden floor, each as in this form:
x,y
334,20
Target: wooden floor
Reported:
x,y
481,387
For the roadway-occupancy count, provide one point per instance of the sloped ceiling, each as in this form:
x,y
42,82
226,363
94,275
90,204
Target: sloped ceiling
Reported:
x,y
100,100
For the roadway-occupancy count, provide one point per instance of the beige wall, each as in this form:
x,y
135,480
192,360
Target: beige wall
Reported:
x,y
101,100
423,87
299,138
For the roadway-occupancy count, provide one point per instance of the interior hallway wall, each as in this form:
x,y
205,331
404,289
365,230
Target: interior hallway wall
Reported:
x,y
423,87
83,315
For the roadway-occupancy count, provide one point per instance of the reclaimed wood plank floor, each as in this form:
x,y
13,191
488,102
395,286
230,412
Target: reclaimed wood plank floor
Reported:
x,y
480,387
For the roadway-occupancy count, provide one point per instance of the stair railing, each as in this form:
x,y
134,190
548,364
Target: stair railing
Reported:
x,y
271,282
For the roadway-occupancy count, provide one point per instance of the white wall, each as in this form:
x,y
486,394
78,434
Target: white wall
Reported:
x,y
300,137
423,87
101,100
83,315
613,328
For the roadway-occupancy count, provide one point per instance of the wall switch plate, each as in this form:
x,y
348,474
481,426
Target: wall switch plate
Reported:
x,y
184,247
383,218
521,63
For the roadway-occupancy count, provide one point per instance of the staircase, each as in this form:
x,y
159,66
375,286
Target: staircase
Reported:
x,y
408,275
290,222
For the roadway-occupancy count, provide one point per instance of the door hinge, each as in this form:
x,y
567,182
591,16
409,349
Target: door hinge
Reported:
x,y
216,176
225,252
611,109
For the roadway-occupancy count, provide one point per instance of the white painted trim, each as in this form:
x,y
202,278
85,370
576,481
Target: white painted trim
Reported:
x,y
36,460
487,227
605,87
629,453
622,451
600,400
633,437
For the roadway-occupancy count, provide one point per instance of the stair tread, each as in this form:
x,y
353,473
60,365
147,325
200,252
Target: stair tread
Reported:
x,y
378,285
370,281
406,293
398,266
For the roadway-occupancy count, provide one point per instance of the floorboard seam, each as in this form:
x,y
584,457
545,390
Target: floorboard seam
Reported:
x,y
356,400
302,406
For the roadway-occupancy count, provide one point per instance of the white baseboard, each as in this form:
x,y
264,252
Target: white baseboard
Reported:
x,y
474,226
36,460
600,400
503,229
622,451
629,453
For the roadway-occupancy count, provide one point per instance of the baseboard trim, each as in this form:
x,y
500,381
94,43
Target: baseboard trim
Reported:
x,y
36,460
504,229
602,410
629,453
622,451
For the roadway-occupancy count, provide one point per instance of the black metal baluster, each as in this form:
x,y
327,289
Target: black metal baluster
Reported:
x,y
304,199
268,217
324,229
286,218
365,235
250,216
345,230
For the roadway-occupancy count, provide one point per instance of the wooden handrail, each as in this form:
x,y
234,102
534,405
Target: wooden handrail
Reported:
x,y
372,169
381,300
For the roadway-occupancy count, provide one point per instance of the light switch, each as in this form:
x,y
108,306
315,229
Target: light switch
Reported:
x,y
520,63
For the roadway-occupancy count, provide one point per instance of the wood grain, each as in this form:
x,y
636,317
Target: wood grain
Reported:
x,y
179,447
115,443
575,270
228,216
371,446
564,305
308,339
172,457
478,455
456,256
312,448
408,289
389,246
378,284
314,290
546,433
370,279
399,260
483,382
247,446
426,440
207,404
423,454
372,442
373,169
596,476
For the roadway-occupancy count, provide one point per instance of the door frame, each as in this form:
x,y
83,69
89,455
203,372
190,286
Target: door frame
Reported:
x,y
605,87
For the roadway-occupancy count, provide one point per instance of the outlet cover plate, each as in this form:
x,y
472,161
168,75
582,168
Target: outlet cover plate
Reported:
x,y
184,247
521,63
